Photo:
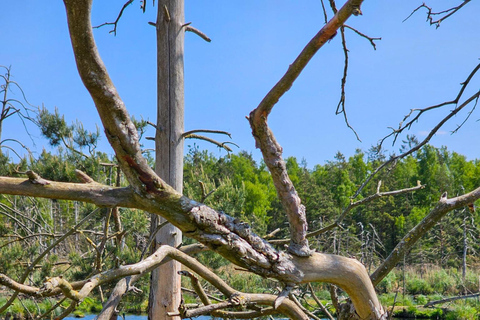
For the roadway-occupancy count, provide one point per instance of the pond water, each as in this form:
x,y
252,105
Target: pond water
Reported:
x,y
127,317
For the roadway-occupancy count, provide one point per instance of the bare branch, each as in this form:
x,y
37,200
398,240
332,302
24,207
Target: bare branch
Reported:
x,y
199,33
452,113
319,303
115,23
207,131
441,209
341,103
432,303
41,255
272,151
351,206
430,13
218,144
370,39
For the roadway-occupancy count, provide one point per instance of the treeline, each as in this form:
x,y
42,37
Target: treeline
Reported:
x,y
242,187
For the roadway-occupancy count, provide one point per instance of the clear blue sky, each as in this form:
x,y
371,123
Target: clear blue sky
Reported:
x,y
253,42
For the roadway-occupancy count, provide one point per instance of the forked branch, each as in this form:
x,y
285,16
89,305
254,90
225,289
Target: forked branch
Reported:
x,y
442,15
271,149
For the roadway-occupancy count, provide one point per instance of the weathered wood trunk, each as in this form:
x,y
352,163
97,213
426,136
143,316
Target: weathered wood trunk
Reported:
x,y
165,285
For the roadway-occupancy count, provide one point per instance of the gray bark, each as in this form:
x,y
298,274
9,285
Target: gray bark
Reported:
x,y
165,286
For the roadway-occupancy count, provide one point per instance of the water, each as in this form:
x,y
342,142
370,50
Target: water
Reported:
x,y
128,317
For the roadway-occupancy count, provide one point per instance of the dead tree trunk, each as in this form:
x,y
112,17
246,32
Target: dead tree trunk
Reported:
x,y
165,287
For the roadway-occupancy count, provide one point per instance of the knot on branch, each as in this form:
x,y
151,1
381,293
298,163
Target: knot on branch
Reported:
x,y
58,282
36,179
300,249
82,176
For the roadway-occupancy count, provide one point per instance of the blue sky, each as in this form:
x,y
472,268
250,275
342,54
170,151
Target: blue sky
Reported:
x,y
253,42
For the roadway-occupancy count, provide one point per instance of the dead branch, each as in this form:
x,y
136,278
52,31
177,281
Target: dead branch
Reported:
x,y
341,103
123,285
272,151
207,131
310,314
287,307
444,206
430,13
199,33
468,296
370,39
319,303
115,23
233,240
41,255
353,205
452,113
215,142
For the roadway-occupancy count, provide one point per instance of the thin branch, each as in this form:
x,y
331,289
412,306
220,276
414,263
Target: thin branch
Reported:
x,y
198,33
324,11
466,118
468,296
55,306
430,13
452,113
152,237
45,252
353,205
370,39
115,23
341,104
218,144
401,127
207,131
319,303
310,314
444,206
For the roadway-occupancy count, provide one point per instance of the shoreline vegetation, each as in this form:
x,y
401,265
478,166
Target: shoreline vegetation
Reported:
x,y
423,285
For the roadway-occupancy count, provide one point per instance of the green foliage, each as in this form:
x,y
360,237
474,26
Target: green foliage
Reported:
x,y
243,188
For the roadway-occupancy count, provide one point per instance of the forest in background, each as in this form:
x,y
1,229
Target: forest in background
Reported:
x,y
444,263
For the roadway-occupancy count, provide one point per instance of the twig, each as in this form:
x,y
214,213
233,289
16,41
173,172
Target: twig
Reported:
x,y
152,237
319,303
115,23
310,314
370,39
219,144
324,11
40,257
43,315
448,12
352,205
341,103
421,144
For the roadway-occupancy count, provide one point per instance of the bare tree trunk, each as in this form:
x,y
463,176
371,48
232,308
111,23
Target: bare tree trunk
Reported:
x,y
165,285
